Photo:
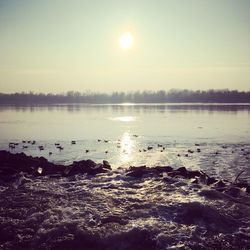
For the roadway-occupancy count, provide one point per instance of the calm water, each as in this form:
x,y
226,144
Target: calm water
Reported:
x,y
220,123
131,128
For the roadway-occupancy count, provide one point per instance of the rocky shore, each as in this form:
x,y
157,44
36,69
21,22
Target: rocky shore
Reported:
x,y
13,164
87,205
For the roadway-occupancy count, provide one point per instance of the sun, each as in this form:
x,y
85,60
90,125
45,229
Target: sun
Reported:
x,y
126,40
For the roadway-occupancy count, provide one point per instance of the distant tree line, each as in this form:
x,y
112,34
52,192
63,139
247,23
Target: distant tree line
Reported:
x,y
171,96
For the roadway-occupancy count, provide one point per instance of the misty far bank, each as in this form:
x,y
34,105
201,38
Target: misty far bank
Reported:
x,y
171,96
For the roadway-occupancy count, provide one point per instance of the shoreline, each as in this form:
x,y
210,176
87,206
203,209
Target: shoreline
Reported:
x,y
87,205
13,164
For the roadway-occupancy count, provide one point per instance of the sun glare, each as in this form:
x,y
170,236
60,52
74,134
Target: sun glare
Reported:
x,y
126,40
125,119
127,145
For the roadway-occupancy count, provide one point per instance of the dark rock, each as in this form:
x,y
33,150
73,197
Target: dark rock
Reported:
x,y
85,167
67,170
5,171
163,169
106,165
11,164
182,170
211,180
133,168
149,147
15,163
193,174
168,180
97,169
137,171
142,170
88,163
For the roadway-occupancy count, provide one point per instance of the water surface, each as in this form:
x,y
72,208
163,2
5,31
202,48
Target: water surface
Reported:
x,y
222,132
179,122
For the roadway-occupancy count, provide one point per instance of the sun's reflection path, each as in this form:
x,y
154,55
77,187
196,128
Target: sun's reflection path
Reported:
x,y
127,145
124,118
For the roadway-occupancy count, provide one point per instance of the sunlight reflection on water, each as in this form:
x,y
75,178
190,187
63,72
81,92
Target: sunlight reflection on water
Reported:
x,y
126,147
124,118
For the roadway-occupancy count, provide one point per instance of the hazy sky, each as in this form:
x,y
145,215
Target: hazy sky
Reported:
x,y
59,45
